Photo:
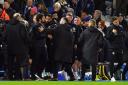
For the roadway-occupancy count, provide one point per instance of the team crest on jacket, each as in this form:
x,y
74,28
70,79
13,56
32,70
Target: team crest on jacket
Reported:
x,y
73,29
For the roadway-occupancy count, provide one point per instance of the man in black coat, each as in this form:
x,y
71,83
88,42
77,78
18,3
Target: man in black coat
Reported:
x,y
50,25
115,37
77,30
18,43
39,60
63,48
123,22
90,43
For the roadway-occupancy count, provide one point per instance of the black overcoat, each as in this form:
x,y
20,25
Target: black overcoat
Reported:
x,y
17,38
63,43
90,43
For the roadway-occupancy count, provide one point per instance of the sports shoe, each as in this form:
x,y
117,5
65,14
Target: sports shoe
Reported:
x,y
113,79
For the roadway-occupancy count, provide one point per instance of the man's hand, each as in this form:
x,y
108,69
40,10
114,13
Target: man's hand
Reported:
x,y
114,31
50,36
41,29
30,61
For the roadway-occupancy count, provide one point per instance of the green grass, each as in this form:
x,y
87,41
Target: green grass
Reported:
x,y
59,83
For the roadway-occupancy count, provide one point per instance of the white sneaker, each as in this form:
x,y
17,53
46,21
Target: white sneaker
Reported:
x,y
113,79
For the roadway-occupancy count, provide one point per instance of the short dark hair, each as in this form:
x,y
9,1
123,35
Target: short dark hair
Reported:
x,y
39,16
114,18
49,15
85,11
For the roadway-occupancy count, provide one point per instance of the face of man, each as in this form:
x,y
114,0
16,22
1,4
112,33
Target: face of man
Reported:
x,y
6,5
74,1
34,19
48,19
43,19
116,22
69,17
85,24
83,14
120,18
96,14
91,24
77,21
57,7
29,3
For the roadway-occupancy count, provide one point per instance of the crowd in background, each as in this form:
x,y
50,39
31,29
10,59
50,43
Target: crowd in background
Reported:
x,y
57,35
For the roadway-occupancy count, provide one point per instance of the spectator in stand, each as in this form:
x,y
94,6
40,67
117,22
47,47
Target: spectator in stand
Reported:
x,y
1,1
83,14
102,27
98,16
100,5
19,5
30,4
103,56
85,5
7,12
57,14
85,22
8,9
42,8
123,22
33,12
69,17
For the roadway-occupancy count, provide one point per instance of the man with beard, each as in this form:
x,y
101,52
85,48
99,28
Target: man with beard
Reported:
x,y
50,25
40,58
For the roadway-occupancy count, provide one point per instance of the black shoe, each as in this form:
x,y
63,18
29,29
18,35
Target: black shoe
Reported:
x,y
81,79
47,78
72,79
53,79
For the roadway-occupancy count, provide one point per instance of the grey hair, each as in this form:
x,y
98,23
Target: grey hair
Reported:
x,y
17,16
63,20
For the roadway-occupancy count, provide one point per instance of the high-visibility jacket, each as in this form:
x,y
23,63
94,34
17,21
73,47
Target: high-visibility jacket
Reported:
x,y
5,16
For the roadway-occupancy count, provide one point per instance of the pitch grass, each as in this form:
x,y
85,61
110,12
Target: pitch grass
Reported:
x,y
60,83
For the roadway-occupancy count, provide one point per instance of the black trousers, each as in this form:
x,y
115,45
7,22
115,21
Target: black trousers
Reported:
x,y
84,69
17,67
59,66
39,61
50,63
115,56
